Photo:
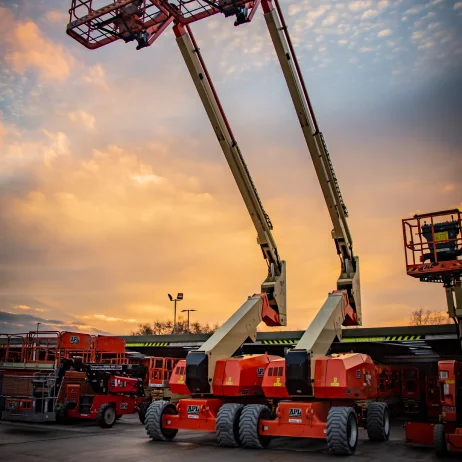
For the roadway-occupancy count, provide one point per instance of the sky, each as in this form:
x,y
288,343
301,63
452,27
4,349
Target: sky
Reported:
x,y
114,191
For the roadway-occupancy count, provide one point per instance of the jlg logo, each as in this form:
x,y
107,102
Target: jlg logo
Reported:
x,y
295,412
194,409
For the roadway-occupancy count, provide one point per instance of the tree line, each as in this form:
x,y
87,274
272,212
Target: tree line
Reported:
x,y
166,328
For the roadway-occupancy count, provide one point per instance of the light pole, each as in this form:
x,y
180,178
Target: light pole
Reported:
x,y
178,298
189,330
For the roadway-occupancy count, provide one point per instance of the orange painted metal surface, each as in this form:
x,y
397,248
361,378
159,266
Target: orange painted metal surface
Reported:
x,y
346,376
74,341
298,419
103,343
269,316
241,376
160,371
194,414
450,377
454,440
274,380
419,433
177,383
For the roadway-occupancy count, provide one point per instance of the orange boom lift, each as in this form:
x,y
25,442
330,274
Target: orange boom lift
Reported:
x,y
433,252
315,395
217,381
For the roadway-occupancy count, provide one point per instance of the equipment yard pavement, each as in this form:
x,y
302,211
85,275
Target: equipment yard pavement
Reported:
x,y
127,442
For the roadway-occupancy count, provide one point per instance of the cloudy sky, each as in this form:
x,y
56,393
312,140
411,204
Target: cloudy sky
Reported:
x,y
114,190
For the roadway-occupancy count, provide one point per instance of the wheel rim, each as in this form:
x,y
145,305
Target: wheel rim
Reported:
x,y
386,424
352,433
168,432
264,415
109,415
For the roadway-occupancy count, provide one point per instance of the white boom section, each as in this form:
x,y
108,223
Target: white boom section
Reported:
x,y
349,278
327,324
232,334
244,322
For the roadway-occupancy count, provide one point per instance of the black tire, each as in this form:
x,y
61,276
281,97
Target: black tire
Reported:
x,y
61,413
106,417
342,431
378,422
227,425
249,424
439,440
142,411
153,421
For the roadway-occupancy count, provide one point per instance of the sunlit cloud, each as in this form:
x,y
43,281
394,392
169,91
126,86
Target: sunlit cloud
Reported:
x,y
84,118
30,50
384,33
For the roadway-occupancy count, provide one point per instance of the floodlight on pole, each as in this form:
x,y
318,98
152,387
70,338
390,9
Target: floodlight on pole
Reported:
x,y
183,311
178,298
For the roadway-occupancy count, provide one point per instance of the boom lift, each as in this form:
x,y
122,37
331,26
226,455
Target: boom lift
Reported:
x,y
433,251
308,370
207,371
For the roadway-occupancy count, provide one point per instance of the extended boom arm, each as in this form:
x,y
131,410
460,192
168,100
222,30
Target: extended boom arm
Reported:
x,y
270,306
343,306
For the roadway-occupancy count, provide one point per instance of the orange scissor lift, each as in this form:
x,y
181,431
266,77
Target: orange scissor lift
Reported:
x,y
34,385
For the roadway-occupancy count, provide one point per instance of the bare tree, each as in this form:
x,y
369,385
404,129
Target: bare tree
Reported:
x,y
166,328
426,318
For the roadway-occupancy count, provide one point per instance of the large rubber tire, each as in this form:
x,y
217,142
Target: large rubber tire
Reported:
x,y
106,416
342,431
227,425
439,441
61,413
378,422
142,412
153,421
249,424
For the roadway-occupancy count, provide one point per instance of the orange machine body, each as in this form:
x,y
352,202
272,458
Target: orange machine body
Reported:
x,y
450,376
274,380
109,344
345,376
349,376
235,379
177,382
241,375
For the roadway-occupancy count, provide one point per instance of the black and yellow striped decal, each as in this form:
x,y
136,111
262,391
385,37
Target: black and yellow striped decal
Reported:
x,y
147,344
402,338
280,342
396,338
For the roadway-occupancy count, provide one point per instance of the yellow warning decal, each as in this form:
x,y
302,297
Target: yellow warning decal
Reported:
x,y
335,383
278,382
449,382
229,381
443,236
181,380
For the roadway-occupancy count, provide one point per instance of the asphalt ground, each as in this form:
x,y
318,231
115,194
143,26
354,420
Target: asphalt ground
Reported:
x,y
128,442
